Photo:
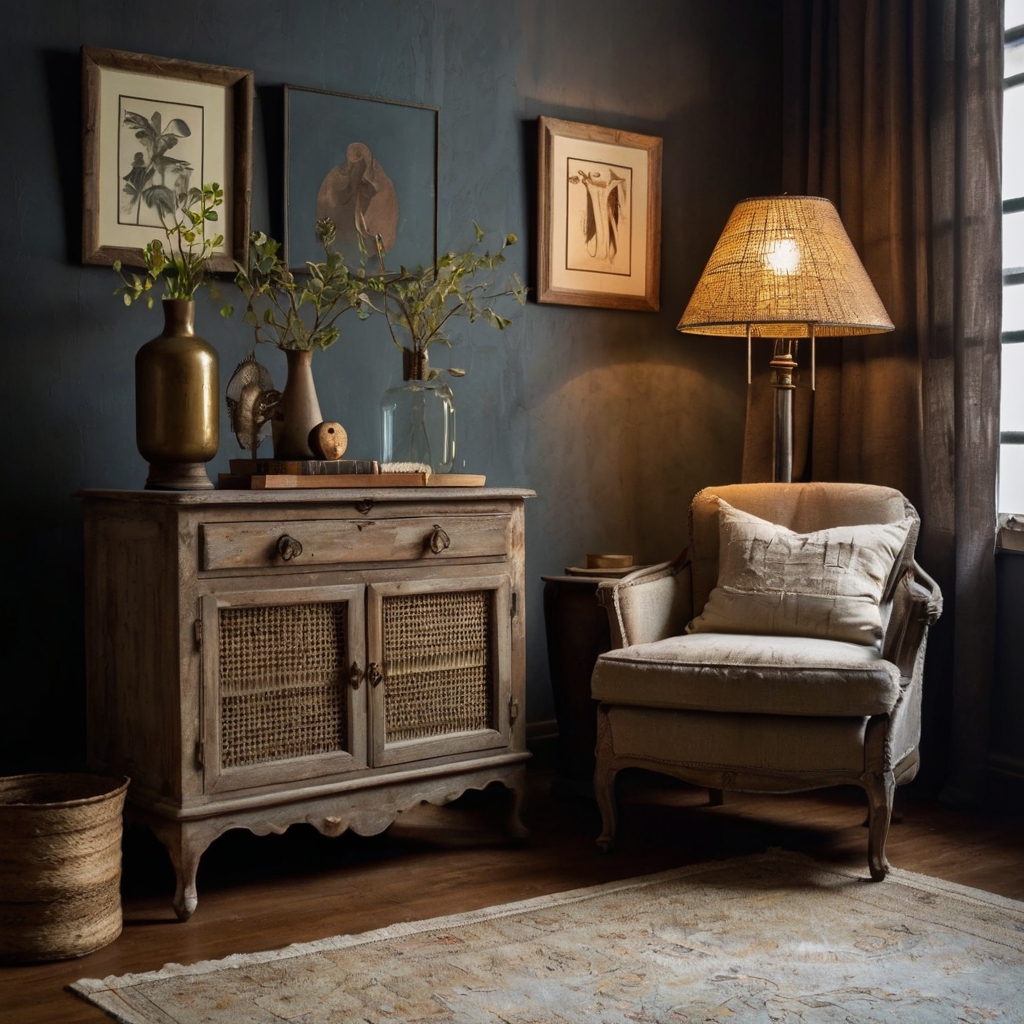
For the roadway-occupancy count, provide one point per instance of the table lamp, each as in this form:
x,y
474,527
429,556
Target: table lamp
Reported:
x,y
784,268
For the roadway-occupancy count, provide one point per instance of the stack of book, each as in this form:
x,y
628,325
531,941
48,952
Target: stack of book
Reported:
x,y
278,474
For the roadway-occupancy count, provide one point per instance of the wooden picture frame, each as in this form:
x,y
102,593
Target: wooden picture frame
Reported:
x,y
599,213
141,147
369,163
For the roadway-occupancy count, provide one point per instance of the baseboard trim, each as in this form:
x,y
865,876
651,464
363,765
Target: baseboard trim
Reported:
x,y
1005,782
547,729
1007,764
542,741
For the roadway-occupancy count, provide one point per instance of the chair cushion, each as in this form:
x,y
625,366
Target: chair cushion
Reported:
x,y
779,675
827,584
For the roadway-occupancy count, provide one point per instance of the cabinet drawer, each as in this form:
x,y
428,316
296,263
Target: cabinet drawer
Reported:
x,y
337,542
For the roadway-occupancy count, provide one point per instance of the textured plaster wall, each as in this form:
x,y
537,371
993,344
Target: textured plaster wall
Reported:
x,y
612,417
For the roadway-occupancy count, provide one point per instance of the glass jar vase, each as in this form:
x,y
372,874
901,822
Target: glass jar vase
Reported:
x,y
417,417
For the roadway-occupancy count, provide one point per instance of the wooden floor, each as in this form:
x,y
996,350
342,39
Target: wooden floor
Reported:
x,y
264,892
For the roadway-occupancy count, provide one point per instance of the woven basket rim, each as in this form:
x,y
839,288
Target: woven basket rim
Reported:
x,y
16,790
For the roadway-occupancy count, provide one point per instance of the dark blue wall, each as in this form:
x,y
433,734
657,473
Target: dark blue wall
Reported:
x,y
612,417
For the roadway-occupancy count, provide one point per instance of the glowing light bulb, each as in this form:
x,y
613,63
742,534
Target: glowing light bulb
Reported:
x,y
783,256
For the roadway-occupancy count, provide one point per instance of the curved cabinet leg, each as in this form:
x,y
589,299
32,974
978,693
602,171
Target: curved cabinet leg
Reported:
x,y
517,787
604,781
881,789
185,845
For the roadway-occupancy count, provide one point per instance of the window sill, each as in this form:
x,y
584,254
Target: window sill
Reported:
x,y
1011,534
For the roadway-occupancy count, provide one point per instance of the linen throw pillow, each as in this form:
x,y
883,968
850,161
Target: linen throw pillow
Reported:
x,y
826,584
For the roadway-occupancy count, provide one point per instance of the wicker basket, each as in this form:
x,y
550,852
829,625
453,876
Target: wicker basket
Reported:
x,y
60,865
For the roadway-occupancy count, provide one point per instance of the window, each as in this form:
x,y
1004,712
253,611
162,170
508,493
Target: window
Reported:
x,y
1011,411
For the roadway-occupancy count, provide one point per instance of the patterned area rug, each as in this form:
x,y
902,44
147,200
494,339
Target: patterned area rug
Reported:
x,y
767,938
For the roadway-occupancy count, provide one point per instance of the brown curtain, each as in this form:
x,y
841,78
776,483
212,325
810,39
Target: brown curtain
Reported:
x,y
893,111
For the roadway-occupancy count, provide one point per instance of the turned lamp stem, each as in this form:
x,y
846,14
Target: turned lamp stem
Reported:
x,y
783,379
782,366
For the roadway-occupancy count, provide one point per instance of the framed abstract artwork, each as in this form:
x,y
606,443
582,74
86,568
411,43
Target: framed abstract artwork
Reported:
x,y
153,128
368,164
599,206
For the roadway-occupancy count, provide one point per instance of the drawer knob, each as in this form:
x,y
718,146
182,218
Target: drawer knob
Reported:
x,y
373,673
355,675
288,547
439,540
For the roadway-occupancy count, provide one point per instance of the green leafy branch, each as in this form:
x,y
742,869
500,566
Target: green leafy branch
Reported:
x,y
183,262
423,302
300,312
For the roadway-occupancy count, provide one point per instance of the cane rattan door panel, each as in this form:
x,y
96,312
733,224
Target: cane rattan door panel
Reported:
x,y
312,543
283,691
440,667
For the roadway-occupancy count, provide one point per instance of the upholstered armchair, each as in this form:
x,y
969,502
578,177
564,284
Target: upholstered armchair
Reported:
x,y
710,680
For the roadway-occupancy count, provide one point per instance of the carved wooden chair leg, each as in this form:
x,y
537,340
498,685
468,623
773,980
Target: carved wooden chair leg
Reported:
x,y
899,805
604,781
716,797
881,789
185,848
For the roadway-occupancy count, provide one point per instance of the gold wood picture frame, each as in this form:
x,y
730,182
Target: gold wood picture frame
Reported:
x,y
599,206
153,127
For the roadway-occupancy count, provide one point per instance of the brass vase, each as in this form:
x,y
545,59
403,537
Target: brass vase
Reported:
x,y
298,412
177,410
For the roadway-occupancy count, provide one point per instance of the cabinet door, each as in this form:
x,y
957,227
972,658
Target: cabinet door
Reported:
x,y
283,691
440,654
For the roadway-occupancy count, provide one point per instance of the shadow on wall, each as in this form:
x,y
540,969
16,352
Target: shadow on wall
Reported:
x,y
626,446
63,73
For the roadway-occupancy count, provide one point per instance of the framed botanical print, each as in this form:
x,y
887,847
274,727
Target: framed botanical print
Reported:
x,y
367,163
153,128
599,205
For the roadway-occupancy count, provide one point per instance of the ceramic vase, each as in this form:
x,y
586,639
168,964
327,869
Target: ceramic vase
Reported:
x,y
298,411
177,411
417,417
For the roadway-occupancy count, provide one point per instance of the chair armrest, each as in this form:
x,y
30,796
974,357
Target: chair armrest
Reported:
x,y
917,603
649,604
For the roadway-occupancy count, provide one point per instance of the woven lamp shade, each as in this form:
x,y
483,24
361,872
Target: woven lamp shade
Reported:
x,y
784,263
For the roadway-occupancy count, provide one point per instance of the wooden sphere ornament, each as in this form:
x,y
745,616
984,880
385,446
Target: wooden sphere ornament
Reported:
x,y
328,441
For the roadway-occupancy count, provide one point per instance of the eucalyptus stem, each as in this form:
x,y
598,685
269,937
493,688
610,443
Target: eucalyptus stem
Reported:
x,y
452,312
184,265
270,288
423,302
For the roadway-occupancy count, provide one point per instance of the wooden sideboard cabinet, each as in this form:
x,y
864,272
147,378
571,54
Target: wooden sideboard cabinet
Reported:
x,y
257,659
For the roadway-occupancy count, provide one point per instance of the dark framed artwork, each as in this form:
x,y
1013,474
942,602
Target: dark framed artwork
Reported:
x,y
153,127
599,211
367,163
